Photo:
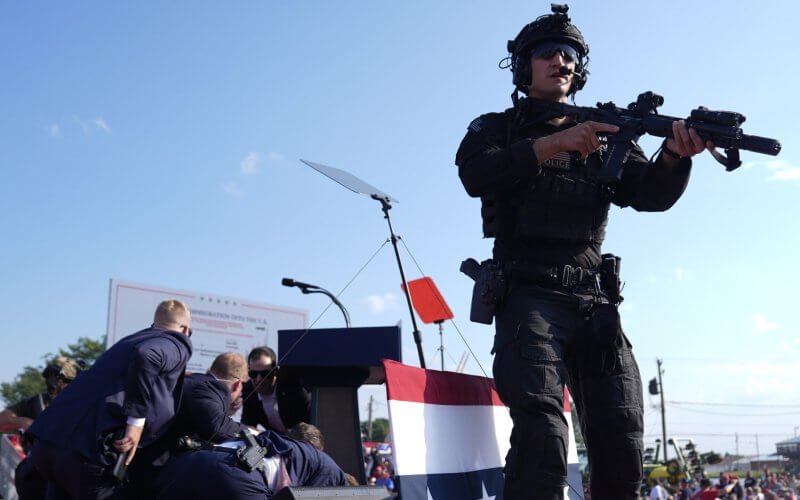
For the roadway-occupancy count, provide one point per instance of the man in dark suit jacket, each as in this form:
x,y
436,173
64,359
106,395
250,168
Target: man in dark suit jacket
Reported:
x,y
126,400
276,402
209,400
212,475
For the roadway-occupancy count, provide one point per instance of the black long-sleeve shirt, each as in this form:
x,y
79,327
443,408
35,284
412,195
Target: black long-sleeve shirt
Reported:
x,y
497,160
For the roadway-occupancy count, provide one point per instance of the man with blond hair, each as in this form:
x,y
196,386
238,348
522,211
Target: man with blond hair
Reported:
x,y
210,398
124,402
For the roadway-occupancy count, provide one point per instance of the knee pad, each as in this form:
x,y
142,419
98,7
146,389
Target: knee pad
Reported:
x,y
539,462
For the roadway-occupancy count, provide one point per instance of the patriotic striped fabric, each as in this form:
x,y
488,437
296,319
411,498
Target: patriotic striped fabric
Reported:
x,y
450,435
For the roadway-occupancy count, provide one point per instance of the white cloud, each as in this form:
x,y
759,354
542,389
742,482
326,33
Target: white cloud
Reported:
x,y
788,174
797,341
275,156
55,130
249,164
83,124
679,273
232,189
380,303
100,123
782,170
761,324
766,380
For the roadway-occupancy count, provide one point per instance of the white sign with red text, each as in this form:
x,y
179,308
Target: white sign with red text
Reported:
x,y
219,324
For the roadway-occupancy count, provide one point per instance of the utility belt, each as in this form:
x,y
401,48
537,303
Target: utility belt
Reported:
x,y
248,456
569,277
492,279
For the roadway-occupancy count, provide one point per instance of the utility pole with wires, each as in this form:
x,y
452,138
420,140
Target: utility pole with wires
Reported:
x,y
369,418
657,387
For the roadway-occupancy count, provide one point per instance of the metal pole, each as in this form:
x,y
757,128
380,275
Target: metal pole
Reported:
x,y
369,420
663,417
417,337
334,300
441,342
758,453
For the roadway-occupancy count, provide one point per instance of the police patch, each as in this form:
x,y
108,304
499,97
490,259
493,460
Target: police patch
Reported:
x,y
559,161
476,125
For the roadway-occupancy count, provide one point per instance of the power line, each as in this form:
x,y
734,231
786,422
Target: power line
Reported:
x,y
753,405
452,321
733,434
705,412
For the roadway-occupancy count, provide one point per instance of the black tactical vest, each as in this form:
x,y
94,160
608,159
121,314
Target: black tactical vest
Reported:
x,y
562,202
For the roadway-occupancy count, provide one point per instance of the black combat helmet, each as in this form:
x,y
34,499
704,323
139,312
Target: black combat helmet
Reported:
x,y
555,27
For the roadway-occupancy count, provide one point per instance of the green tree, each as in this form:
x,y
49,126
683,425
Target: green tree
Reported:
x,y
30,381
85,349
380,429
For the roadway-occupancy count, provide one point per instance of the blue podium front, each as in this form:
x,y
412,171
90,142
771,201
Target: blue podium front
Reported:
x,y
334,363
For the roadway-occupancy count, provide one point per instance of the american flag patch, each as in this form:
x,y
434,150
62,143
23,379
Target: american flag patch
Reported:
x,y
559,161
475,126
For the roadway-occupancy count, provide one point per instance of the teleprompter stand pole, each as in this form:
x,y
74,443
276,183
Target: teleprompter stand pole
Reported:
x,y
385,206
356,185
441,342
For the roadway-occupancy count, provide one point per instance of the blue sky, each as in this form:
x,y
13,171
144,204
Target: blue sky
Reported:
x,y
159,143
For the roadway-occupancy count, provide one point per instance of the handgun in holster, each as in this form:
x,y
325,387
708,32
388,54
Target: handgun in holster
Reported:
x,y
488,291
610,281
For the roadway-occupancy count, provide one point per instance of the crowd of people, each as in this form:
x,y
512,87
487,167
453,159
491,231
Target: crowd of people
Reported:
x,y
137,425
764,486
379,469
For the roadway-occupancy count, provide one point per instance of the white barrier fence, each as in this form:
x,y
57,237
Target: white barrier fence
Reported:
x,y
9,458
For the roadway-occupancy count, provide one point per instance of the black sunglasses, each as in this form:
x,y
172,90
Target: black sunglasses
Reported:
x,y
263,373
547,50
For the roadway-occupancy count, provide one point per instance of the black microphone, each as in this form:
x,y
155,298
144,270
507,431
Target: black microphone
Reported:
x,y
565,70
308,289
298,284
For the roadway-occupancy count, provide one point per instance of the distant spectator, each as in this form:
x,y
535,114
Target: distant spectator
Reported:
x,y
385,479
684,493
60,371
657,492
708,493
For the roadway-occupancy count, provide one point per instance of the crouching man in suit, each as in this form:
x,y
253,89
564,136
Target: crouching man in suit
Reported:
x,y
209,399
211,475
125,401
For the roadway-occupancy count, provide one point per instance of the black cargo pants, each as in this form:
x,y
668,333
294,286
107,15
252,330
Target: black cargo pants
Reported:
x,y
544,340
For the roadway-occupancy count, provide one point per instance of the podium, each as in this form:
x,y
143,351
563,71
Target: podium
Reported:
x,y
334,363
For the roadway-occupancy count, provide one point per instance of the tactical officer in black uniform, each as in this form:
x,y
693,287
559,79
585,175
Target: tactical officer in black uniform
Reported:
x,y
556,293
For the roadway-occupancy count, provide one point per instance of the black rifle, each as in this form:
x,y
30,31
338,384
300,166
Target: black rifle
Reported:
x,y
720,127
